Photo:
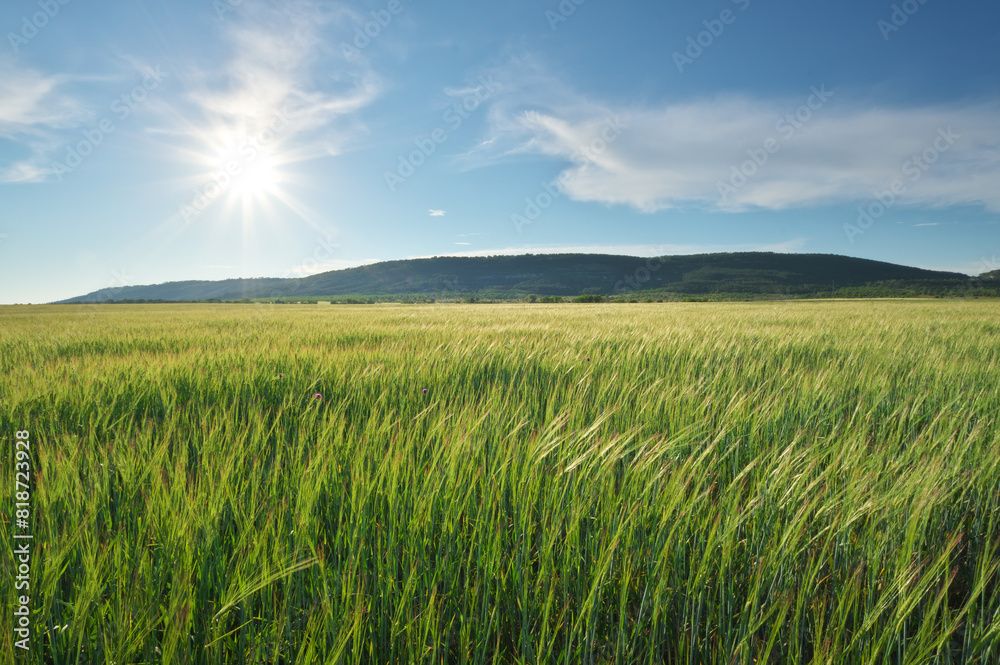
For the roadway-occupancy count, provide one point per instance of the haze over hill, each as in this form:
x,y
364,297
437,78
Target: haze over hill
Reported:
x,y
568,275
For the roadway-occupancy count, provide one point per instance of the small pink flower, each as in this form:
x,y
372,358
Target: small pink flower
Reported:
x,y
425,391
588,359
318,396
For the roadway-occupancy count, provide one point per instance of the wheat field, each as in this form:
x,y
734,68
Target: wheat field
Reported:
x,y
780,482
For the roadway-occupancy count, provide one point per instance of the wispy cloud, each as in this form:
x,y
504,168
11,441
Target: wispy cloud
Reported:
x,y
33,108
29,99
436,213
677,154
276,64
280,67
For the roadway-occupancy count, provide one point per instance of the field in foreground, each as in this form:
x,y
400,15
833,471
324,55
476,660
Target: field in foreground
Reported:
x,y
684,483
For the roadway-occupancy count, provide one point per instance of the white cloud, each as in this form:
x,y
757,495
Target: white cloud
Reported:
x,y
677,154
283,86
31,170
436,213
33,107
278,64
30,99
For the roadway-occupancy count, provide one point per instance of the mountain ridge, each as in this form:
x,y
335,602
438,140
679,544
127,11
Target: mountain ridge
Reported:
x,y
560,275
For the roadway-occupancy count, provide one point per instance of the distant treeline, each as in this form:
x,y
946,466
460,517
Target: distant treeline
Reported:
x,y
955,289
733,276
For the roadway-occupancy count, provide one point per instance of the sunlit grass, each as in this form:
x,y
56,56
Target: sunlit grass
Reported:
x,y
719,483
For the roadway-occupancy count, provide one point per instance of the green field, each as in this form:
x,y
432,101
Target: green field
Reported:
x,y
793,482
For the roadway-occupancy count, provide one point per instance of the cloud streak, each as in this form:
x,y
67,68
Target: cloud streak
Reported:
x,y
33,109
689,154
280,66
276,64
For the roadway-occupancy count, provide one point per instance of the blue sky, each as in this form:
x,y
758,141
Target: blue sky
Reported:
x,y
144,142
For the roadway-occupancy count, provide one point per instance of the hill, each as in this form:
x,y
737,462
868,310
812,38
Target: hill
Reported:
x,y
753,273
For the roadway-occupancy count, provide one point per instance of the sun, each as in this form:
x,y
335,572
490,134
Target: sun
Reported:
x,y
245,169
244,165
257,178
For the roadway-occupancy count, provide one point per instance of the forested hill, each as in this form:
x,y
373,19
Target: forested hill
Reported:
x,y
571,275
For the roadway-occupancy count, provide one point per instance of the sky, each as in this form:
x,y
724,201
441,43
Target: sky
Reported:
x,y
144,142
